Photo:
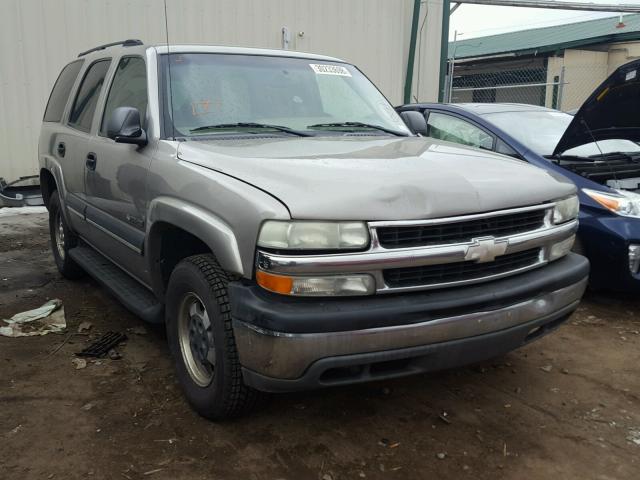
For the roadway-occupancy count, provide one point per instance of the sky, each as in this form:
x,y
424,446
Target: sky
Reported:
x,y
480,20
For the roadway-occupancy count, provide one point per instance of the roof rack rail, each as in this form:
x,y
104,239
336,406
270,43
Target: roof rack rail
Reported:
x,y
124,43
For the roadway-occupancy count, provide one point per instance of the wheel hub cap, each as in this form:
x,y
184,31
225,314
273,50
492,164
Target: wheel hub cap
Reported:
x,y
59,236
196,340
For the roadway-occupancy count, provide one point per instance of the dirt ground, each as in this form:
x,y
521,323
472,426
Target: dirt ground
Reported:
x,y
565,407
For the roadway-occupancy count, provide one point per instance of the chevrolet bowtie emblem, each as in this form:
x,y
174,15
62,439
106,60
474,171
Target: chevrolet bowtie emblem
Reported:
x,y
486,249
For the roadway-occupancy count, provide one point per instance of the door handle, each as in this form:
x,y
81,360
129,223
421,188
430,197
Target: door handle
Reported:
x,y
62,149
92,160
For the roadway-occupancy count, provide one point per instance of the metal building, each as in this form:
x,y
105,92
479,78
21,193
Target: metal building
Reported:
x,y
557,66
38,37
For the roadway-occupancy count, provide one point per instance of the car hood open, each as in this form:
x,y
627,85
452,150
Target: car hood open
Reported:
x,y
610,112
377,178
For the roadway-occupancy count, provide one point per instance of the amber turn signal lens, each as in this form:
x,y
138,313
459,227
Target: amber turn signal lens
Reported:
x,y
609,203
274,283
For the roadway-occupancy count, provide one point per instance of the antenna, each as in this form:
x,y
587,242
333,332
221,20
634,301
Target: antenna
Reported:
x,y
166,29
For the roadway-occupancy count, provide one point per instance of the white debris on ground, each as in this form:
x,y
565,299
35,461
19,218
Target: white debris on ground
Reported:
x,y
634,436
42,320
11,211
80,363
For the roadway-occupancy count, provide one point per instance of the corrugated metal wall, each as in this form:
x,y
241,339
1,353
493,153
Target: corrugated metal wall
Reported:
x,y
38,37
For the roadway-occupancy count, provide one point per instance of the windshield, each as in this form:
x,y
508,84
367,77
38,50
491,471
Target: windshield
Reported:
x,y
540,131
221,91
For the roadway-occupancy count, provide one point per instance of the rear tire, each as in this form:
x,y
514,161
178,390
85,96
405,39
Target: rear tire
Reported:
x,y
200,336
62,240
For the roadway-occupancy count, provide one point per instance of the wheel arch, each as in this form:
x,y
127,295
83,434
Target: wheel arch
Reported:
x,y
48,185
176,230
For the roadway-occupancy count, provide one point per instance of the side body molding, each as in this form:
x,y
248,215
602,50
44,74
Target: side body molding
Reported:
x,y
213,231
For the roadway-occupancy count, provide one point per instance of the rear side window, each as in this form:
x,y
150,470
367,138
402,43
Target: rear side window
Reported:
x,y
61,91
84,106
128,89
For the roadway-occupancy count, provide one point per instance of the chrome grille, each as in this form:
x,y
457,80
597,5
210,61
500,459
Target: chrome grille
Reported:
x,y
414,255
460,231
459,271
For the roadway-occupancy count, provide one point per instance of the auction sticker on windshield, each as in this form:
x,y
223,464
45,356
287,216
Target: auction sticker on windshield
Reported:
x,y
330,70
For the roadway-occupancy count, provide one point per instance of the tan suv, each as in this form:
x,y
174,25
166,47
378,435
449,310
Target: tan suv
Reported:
x,y
288,227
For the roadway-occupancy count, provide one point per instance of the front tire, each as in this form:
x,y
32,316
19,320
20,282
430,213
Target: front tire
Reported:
x,y
201,340
62,240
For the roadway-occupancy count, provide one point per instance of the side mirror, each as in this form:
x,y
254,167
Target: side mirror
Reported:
x,y
415,122
124,126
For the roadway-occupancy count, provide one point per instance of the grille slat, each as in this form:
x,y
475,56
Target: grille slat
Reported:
x,y
459,232
459,271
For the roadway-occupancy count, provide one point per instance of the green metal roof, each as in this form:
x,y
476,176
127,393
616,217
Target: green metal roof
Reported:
x,y
550,39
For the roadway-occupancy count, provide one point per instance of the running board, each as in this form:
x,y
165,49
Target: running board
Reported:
x,y
128,291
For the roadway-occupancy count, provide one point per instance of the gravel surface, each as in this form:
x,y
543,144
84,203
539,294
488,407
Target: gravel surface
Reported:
x,y
567,406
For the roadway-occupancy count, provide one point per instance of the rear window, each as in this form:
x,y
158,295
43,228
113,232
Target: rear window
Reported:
x,y
86,100
61,91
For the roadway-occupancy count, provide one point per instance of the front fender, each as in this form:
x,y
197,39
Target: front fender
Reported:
x,y
209,228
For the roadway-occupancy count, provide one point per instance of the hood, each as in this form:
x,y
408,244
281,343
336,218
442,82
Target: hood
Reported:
x,y
611,112
377,178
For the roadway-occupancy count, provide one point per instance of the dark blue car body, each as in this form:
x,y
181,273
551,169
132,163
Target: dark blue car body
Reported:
x,y
604,237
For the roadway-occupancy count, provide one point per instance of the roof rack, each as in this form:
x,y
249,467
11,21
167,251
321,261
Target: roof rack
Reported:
x,y
124,43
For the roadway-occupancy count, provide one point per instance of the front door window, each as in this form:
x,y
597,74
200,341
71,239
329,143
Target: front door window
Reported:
x,y
454,129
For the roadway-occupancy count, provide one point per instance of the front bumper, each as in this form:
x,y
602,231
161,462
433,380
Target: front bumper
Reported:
x,y
606,239
289,344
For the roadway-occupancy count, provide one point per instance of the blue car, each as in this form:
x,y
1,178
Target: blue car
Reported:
x,y
597,149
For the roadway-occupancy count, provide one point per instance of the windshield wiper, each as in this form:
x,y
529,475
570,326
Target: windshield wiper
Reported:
x,y
279,128
352,125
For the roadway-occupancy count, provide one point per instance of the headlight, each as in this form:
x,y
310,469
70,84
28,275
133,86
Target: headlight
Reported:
x,y
320,286
566,209
623,203
312,235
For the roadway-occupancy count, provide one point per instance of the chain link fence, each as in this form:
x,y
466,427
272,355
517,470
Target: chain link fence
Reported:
x,y
554,85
